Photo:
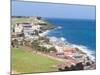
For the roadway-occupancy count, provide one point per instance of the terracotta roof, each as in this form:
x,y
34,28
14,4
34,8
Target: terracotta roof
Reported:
x,y
67,49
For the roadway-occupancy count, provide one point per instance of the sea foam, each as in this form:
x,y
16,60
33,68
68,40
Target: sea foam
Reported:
x,y
44,33
90,53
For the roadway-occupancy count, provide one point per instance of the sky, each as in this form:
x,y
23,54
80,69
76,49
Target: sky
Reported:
x,y
51,10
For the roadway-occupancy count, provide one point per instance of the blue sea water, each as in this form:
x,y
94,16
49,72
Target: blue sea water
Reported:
x,y
75,31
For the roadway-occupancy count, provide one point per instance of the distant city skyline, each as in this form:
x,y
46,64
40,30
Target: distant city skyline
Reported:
x,y
52,10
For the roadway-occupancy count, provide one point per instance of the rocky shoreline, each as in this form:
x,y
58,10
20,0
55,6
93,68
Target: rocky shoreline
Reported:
x,y
35,36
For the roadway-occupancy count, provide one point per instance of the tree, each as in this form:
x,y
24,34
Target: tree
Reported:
x,y
35,44
52,49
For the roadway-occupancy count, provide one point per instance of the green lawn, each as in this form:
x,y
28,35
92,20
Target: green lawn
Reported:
x,y
21,20
14,21
25,62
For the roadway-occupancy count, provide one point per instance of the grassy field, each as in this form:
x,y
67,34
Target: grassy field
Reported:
x,y
25,62
21,20
28,20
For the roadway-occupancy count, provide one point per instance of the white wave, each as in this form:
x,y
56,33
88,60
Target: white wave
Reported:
x,y
59,27
86,50
63,39
53,38
44,33
90,53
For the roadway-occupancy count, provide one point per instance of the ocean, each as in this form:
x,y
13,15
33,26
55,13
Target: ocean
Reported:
x,y
75,31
